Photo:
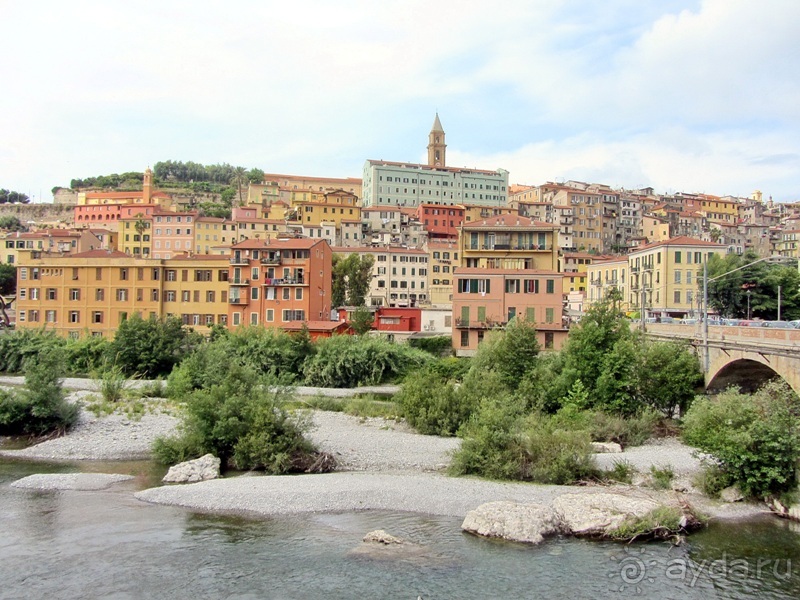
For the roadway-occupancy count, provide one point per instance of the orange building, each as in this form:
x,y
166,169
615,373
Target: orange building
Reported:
x,y
487,299
276,282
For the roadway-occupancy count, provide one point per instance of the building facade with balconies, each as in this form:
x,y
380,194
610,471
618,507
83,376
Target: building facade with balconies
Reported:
x,y
508,242
487,299
274,282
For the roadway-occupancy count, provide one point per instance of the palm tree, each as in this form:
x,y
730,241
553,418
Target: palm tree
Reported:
x,y
140,226
238,178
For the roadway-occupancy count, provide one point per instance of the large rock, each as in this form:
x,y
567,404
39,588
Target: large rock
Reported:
x,y
511,521
600,514
191,471
379,536
70,481
606,448
731,494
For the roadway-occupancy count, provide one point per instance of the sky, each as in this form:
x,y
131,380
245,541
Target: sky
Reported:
x,y
692,96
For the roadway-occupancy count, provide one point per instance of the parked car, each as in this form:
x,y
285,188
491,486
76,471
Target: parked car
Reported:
x,y
778,324
688,321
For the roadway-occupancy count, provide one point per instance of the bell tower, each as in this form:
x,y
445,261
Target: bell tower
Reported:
x,y
147,186
436,145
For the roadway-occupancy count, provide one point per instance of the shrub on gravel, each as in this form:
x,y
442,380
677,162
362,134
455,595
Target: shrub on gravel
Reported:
x,y
41,407
345,361
19,347
755,439
241,419
431,404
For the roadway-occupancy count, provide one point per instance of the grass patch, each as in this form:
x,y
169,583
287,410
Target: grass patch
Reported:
x,y
622,471
370,406
662,478
664,522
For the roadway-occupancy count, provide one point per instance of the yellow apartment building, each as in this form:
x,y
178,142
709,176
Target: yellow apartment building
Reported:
x,y
508,242
212,233
91,293
787,246
605,275
474,212
442,263
663,276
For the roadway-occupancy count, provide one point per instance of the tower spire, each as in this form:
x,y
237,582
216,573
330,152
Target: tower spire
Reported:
x,y
436,145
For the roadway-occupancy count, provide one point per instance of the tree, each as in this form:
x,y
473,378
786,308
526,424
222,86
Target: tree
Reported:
x,y
11,223
10,197
238,179
255,175
8,279
351,279
140,226
149,348
669,376
511,353
362,320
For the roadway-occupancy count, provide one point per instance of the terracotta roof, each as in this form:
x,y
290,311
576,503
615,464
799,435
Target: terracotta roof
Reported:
x,y
682,240
387,163
100,254
198,257
508,221
518,272
289,244
378,250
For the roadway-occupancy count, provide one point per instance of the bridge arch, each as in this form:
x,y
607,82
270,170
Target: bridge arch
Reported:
x,y
749,370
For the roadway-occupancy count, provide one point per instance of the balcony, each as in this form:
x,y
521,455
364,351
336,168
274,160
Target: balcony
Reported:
x,y
271,260
487,324
237,300
284,281
513,247
240,260
236,281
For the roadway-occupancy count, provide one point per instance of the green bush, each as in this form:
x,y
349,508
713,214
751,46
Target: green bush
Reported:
x,y
112,383
711,479
604,427
344,361
41,407
19,347
150,347
500,445
86,354
241,420
755,439
431,403
267,351
511,352
621,471
439,345
662,477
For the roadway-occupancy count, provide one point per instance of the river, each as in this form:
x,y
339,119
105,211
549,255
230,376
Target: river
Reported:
x,y
106,544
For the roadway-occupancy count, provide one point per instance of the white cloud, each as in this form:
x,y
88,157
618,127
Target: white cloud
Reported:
x,y
675,93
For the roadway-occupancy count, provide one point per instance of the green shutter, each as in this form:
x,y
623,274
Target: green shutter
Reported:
x,y
549,315
530,315
481,314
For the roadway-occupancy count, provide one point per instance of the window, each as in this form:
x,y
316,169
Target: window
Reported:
x,y
172,275
186,296
298,293
123,274
677,297
74,316
677,276
34,293
50,316
551,286
154,295
169,296
254,318
464,338
254,293
270,315
531,286
286,293
210,296
549,315
294,315
677,257
512,286
51,293
99,294
122,295
75,294
237,318
97,316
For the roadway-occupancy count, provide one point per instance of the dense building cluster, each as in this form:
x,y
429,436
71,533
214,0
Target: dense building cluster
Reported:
x,y
455,251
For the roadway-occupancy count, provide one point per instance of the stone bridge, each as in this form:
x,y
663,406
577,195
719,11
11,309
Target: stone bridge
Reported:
x,y
743,356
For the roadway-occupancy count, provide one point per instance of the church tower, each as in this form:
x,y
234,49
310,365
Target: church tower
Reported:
x,y
147,186
436,145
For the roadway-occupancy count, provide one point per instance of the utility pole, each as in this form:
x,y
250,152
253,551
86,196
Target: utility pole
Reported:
x,y
779,303
705,314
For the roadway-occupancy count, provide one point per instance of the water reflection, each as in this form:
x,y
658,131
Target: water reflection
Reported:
x,y
107,544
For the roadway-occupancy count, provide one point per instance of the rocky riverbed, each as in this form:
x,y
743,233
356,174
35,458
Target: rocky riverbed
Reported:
x,y
383,465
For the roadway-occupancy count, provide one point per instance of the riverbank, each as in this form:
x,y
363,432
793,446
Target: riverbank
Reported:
x,y
383,465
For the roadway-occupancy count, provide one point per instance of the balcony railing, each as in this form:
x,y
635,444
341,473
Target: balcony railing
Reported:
x,y
486,324
239,281
237,300
271,260
284,281
512,247
240,260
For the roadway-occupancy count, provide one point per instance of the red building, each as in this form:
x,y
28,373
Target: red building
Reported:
x,y
440,221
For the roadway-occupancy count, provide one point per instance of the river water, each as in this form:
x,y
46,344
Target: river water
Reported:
x,y
106,544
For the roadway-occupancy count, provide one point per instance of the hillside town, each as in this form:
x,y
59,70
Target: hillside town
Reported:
x,y
453,251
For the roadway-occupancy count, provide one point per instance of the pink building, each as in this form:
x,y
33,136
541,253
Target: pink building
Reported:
x,y
173,233
486,299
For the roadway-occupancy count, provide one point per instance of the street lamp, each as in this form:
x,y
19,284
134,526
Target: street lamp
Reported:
x,y
705,293
748,304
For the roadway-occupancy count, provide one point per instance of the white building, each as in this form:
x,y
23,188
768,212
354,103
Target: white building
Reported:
x,y
409,185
